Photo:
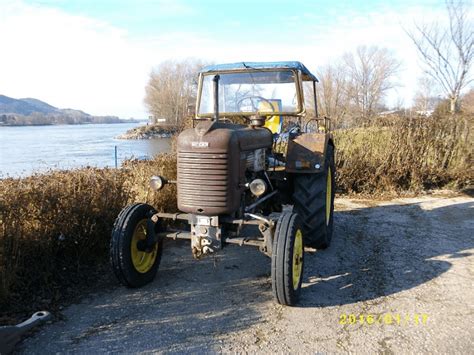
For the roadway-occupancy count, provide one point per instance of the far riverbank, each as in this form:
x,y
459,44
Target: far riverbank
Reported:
x,y
148,132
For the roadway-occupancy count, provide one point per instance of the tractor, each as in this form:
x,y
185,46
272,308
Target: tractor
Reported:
x,y
257,168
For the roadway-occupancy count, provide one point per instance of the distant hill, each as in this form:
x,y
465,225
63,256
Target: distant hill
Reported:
x,y
39,105
29,111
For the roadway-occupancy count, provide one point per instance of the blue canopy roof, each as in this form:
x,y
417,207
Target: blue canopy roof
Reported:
x,y
262,65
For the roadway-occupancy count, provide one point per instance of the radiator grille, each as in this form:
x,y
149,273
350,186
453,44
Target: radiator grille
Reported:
x,y
203,179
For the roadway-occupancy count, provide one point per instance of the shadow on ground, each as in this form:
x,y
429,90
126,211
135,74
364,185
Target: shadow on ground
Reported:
x,y
383,250
188,306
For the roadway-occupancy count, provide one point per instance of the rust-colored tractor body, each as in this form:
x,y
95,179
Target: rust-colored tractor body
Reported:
x,y
256,169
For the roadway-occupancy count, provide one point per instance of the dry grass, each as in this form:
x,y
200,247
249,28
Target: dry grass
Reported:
x,y
55,227
405,154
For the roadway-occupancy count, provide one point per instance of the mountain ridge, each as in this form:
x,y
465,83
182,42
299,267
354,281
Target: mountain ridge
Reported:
x,y
30,111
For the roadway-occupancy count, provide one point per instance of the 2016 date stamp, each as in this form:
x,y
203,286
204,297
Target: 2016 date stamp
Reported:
x,y
384,318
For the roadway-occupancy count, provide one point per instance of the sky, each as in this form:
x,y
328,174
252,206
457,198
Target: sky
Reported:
x,y
96,55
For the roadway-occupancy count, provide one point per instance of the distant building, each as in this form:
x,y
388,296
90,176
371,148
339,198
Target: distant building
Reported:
x,y
426,113
189,111
157,120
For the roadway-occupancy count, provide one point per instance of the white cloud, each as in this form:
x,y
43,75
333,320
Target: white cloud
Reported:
x,y
79,62
316,44
384,28
70,61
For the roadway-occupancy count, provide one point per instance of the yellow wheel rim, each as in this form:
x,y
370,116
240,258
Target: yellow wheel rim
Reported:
x,y
142,261
297,259
328,195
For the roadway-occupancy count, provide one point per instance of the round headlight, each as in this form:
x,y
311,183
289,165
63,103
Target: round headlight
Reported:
x,y
258,187
156,183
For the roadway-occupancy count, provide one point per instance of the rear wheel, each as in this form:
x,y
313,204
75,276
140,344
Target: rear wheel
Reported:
x,y
287,260
314,202
132,266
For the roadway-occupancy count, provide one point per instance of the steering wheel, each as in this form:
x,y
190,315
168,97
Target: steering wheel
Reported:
x,y
252,99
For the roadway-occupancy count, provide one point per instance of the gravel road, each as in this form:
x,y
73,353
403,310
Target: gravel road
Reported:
x,y
406,266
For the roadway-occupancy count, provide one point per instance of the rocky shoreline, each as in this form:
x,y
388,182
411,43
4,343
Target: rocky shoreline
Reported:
x,y
147,132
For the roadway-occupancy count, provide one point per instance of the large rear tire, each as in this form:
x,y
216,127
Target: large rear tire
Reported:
x,y
313,199
287,260
133,267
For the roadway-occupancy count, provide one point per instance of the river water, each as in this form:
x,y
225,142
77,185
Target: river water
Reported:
x,y
30,149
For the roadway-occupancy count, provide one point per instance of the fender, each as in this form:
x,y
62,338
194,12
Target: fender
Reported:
x,y
306,153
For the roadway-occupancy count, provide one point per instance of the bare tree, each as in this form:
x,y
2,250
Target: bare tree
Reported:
x,y
369,73
171,90
447,53
426,97
331,92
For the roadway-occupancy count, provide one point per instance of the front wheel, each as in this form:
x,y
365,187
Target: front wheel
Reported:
x,y
287,260
132,266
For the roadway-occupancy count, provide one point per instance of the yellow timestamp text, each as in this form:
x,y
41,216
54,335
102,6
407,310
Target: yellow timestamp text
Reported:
x,y
384,318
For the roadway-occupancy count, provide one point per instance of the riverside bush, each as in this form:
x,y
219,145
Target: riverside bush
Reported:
x,y
55,227
395,154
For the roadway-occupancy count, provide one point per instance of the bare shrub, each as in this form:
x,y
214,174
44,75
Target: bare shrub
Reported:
x,y
405,153
55,227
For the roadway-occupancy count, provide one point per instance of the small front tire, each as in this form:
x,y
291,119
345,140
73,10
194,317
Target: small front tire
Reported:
x,y
133,267
287,260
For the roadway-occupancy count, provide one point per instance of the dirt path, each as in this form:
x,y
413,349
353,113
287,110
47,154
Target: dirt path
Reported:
x,y
408,260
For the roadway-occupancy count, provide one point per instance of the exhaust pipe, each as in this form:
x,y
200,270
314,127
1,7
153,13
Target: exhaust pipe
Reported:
x,y
216,97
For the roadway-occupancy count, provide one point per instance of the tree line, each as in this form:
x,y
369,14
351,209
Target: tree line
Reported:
x,y
39,119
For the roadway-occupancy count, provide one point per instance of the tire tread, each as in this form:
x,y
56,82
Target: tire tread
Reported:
x,y
309,200
119,245
282,260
